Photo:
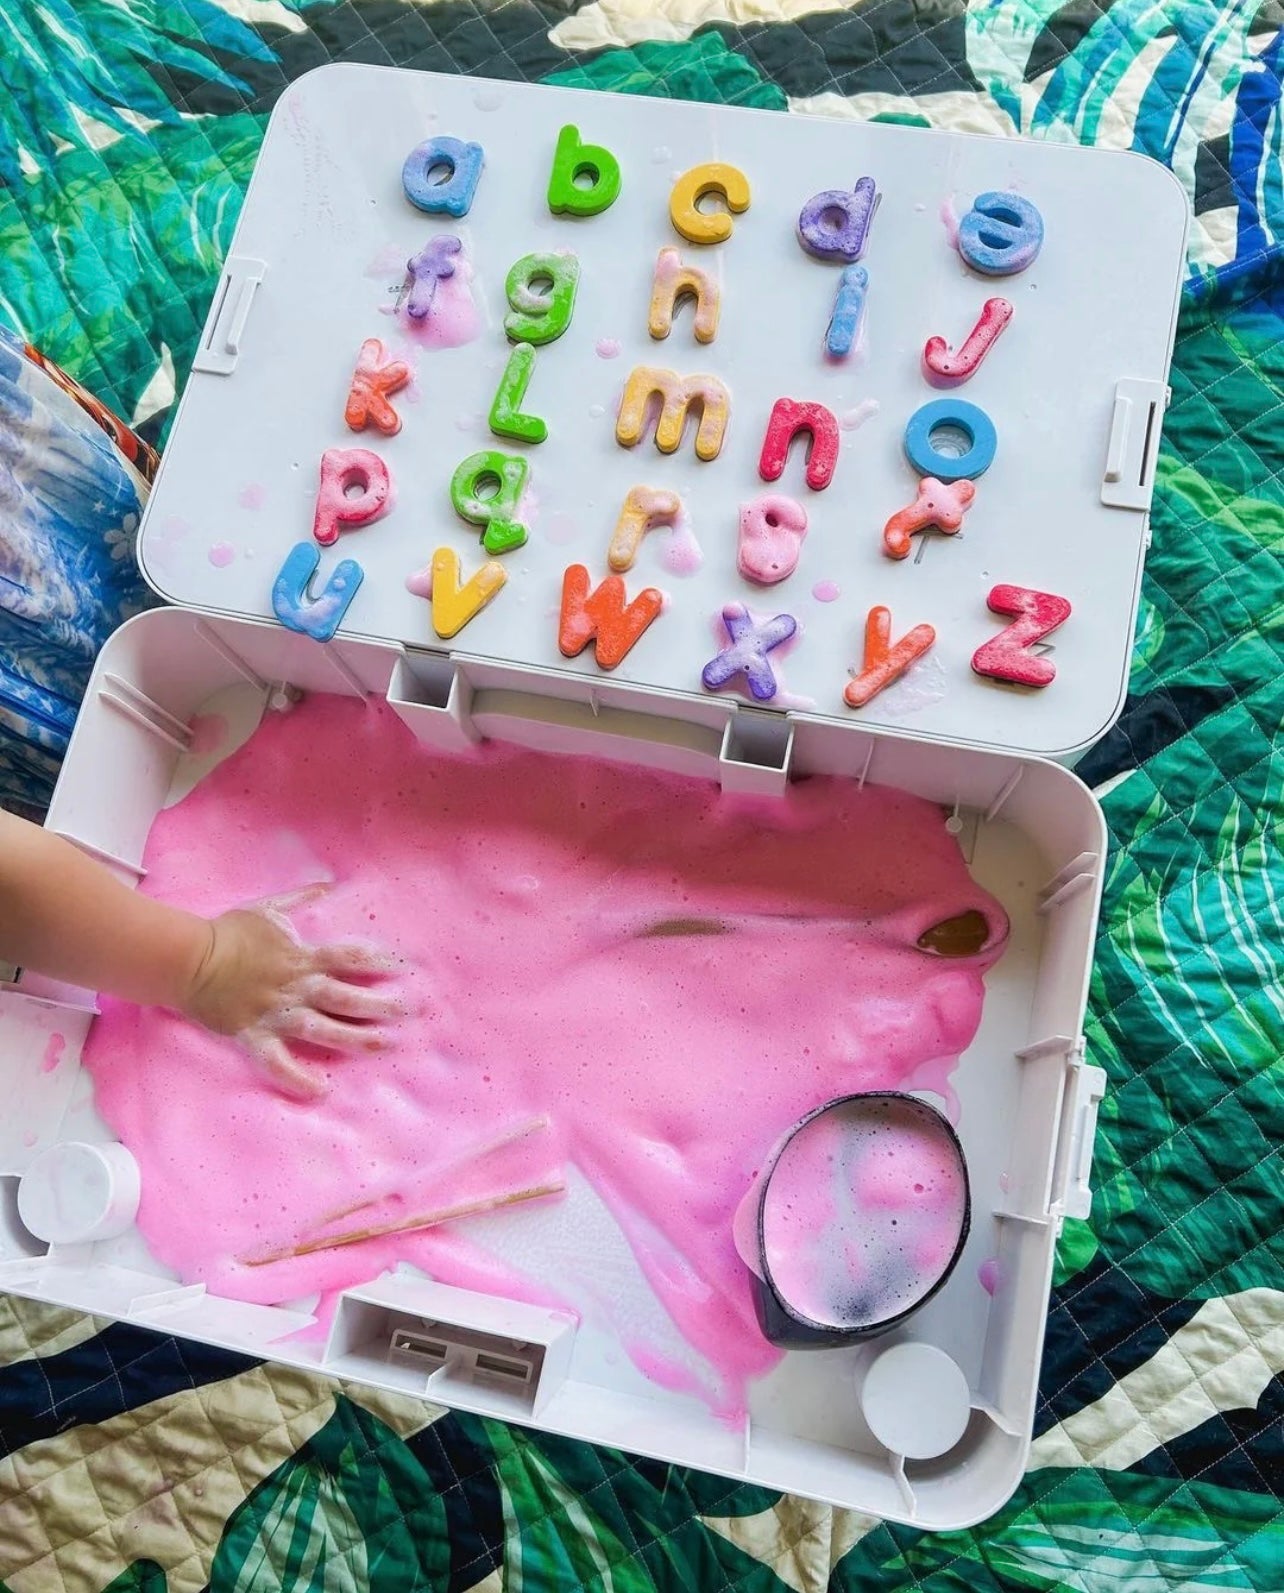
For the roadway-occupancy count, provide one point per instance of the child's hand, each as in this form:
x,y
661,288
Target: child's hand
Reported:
x,y
258,984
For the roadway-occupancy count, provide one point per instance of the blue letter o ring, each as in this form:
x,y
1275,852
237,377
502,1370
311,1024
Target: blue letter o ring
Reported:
x,y
955,414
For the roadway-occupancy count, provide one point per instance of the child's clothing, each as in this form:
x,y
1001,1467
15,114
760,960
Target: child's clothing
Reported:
x,y
72,483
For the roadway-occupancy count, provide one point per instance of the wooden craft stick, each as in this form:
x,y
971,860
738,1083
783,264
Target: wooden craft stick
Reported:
x,y
428,1219
474,1153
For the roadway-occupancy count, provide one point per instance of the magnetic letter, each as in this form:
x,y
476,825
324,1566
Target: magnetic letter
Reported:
x,y
747,653
374,379
644,507
540,316
506,417
944,368
354,490
788,418
574,159
1001,234
1007,656
452,194
603,616
937,504
320,616
884,663
849,311
454,605
950,414
434,262
499,508
677,394
835,225
713,226
675,280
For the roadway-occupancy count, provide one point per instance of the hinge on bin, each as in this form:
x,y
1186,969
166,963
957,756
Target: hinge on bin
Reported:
x,y
1133,448
1085,1089
220,347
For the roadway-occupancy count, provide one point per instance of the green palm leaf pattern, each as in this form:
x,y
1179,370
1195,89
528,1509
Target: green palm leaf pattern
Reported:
x,y
1087,1531
1188,989
703,69
581,1517
1158,78
1190,972
65,66
352,1508
113,255
144,1576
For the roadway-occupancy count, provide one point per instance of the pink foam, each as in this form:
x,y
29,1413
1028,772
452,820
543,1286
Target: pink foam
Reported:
x,y
863,1213
454,318
854,419
54,1048
681,554
221,555
532,992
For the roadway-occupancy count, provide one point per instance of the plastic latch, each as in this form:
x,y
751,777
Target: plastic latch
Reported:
x,y
1133,445
224,335
1087,1087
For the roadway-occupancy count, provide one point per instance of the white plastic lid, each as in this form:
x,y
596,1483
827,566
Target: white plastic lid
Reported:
x,y
75,1193
916,1401
326,224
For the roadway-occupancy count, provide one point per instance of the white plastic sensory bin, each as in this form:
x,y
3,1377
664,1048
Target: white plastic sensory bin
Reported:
x,y
1073,386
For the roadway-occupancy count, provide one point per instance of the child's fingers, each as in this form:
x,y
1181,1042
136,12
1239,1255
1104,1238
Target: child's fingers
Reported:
x,y
331,1034
287,1074
347,959
287,901
341,1000
278,920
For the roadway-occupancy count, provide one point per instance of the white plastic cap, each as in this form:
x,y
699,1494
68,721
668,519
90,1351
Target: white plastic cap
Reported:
x,y
916,1401
76,1193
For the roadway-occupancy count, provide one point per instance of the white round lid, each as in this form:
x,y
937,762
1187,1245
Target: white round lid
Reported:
x,y
916,1401
75,1192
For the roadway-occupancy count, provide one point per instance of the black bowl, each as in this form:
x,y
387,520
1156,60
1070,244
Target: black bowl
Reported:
x,y
783,1324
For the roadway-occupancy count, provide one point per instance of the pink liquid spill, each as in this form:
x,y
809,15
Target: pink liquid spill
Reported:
x,y
667,1065
221,555
950,220
252,497
562,529
989,1274
681,554
863,1213
826,591
54,1048
453,319
853,419
607,348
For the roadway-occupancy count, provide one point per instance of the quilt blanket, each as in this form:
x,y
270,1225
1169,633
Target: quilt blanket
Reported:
x,y
129,1461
